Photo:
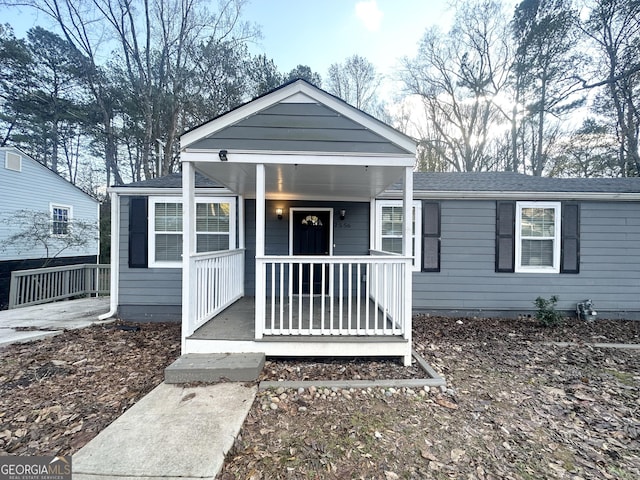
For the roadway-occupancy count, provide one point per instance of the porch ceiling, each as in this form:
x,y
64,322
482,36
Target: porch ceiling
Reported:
x,y
309,181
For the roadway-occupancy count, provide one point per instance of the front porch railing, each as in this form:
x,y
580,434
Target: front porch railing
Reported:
x,y
219,283
49,284
327,295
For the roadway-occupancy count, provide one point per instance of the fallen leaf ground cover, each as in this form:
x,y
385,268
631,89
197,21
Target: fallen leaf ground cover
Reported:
x,y
57,394
514,408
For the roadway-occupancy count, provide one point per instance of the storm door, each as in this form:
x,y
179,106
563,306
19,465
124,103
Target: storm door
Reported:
x,y
311,235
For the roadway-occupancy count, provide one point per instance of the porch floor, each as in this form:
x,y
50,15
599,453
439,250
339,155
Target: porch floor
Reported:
x,y
237,321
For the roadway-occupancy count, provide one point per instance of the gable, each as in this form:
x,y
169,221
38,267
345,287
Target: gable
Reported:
x,y
298,127
298,117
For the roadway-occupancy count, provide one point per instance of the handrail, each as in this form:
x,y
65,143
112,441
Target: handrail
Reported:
x,y
49,284
333,295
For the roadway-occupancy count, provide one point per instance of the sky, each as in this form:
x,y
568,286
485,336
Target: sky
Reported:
x,y
318,33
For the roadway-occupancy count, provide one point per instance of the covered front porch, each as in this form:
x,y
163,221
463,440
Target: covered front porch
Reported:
x,y
306,299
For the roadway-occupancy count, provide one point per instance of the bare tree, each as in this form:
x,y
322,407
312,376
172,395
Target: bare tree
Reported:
x,y
159,48
35,229
613,26
545,67
356,81
458,76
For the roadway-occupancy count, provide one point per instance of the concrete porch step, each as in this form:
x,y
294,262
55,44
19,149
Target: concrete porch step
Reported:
x,y
215,367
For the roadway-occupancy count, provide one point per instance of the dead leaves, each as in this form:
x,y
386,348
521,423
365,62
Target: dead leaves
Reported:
x,y
57,394
515,409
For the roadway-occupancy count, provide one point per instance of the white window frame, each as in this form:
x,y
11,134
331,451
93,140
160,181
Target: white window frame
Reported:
x,y
555,268
153,263
417,236
69,210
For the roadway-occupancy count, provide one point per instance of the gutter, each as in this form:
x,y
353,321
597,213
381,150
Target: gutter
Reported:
x,y
115,257
494,195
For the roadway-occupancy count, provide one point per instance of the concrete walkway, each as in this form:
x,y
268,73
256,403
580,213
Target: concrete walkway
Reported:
x,y
50,319
174,432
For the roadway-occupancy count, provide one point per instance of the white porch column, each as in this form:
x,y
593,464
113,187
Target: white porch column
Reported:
x,y
260,295
241,243
189,294
407,227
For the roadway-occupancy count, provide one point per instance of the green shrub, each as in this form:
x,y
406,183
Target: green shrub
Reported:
x,y
547,314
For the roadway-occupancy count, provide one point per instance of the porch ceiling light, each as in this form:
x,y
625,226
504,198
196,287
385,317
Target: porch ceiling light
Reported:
x,y
223,155
343,213
279,213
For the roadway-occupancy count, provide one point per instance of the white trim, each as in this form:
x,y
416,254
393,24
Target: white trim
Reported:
x,y
556,206
12,157
307,158
189,295
115,258
69,209
292,90
501,195
417,240
167,191
311,209
151,233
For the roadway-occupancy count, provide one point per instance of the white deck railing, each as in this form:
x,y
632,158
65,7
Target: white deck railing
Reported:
x,y
43,285
219,283
327,295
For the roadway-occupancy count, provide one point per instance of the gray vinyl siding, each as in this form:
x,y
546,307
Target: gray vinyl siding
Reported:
x,y
350,237
35,188
609,266
298,127
145,292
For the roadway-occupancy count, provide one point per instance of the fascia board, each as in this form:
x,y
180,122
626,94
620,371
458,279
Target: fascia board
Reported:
x,y
293,158
497,195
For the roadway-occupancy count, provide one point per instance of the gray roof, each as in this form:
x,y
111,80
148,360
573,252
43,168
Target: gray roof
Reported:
x,y
517,182
460,182
174,180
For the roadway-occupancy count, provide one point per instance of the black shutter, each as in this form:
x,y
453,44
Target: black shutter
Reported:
x,y
570,244
430,236
505,236
138,221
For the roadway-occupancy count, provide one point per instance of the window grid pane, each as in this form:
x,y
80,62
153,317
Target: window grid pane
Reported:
x,y
207,242
168,217
537,253
538,222
60,218
212,217
168,247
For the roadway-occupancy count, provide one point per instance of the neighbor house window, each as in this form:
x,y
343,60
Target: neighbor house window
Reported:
x,y
214,222
60,216
389,215
537,237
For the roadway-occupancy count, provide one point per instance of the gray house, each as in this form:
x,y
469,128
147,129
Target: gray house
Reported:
x,y
292,211
26,184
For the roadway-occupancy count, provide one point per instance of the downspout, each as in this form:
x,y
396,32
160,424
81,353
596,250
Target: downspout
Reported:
x,y
115,257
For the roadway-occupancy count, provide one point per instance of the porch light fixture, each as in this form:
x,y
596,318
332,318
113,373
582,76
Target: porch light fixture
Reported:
x,y
223,155
279,213
343,213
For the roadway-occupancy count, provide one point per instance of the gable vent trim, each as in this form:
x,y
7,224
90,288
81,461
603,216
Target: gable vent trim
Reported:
x,y
13,162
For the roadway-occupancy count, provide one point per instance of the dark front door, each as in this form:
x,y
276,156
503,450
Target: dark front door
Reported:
x,y
311,236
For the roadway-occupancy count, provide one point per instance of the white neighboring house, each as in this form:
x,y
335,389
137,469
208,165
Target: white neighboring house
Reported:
x,y
26,184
